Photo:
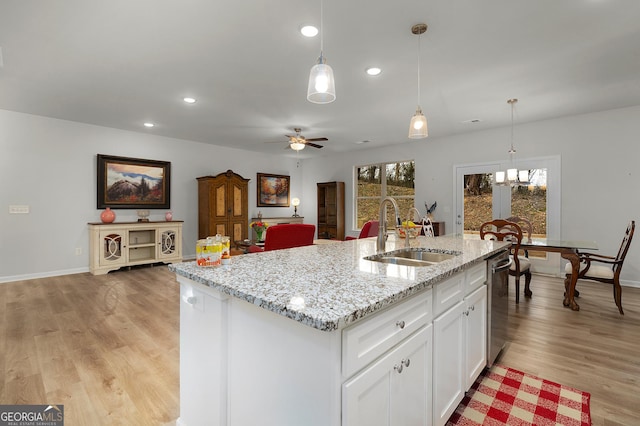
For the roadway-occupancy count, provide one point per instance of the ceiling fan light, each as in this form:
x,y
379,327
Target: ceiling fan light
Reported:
x,y
297,146
418,126
322,87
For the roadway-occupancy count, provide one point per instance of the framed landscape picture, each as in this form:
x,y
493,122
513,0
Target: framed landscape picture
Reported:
x,y
273,190
133,183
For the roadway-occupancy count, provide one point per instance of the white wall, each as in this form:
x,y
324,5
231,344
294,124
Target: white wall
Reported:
x,y
600,156
50,165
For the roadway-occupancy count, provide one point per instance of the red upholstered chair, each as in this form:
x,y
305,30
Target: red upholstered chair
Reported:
x,y
287,236
369,229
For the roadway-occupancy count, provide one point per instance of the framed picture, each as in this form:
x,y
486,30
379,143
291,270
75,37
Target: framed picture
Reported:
x,y
133,183
273,190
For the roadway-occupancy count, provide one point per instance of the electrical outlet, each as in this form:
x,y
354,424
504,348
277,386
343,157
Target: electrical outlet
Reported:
x,y
78,251
18,209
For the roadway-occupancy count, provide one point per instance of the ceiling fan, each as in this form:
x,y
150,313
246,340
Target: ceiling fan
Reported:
x,y
297,142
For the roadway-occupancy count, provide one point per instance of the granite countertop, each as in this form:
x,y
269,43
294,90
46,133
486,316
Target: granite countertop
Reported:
x,y
329,286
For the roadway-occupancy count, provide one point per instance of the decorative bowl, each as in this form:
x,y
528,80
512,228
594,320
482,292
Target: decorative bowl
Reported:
x,y
413,231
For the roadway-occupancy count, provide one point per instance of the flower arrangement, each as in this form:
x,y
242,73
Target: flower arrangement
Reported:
x,y
259,227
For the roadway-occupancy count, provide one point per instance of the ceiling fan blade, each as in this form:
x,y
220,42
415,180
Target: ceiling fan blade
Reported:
x,y
316,139
315,145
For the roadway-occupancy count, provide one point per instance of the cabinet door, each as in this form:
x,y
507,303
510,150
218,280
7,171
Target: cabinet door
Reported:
x,y
448,363
169,243
475,335
112,247
219,208
238,210
411,386
393,390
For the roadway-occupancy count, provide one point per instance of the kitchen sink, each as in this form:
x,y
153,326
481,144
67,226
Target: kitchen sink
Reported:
x,y
412,257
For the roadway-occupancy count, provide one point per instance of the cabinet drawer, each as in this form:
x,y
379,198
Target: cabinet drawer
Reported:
x,y
476,277
447,293
364,342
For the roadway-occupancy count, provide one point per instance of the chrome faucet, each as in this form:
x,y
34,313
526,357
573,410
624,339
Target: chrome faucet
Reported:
x,y
382,215
407,244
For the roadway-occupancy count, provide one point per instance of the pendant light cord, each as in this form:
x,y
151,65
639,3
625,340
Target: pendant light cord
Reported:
x,y
512,102
419,37
321,28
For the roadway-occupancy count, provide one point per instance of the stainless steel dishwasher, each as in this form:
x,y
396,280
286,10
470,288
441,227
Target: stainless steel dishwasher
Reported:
x,y
498,304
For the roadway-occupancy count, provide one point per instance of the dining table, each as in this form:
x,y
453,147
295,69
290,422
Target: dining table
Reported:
x,y
569,250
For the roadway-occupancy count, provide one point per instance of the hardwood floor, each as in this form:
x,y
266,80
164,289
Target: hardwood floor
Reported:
x,y
107,346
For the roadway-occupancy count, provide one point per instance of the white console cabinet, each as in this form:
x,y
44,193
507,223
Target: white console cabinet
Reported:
x,y
115,245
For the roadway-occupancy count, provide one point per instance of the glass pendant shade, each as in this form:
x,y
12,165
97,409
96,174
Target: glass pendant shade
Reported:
x,y
297,146
523,175
322,86
418,125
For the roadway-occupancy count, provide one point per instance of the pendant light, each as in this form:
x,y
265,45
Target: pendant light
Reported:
x,y
513,175
322,87
418,125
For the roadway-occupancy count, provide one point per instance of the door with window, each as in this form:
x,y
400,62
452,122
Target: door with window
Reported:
x,y
479,199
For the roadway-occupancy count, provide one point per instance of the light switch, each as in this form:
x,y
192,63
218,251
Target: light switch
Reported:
x,y
19,209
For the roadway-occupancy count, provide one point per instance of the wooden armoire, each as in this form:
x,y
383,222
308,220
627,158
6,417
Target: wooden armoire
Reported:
x,y
223,206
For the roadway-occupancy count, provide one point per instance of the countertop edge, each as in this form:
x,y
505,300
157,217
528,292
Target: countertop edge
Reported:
x,y
343,320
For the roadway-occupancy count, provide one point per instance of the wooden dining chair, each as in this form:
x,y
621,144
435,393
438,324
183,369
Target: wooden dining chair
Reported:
x,y
525,264
524,224
604,269
503,230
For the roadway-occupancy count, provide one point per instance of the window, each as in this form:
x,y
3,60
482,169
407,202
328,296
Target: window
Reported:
x,y
376,181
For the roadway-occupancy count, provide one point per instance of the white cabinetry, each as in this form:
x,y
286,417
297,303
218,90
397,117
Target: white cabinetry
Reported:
x,y
475,324
395,350
457,361
115,245
395,390
396,367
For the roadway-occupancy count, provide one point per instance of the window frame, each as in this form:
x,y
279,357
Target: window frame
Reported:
x,y
383,186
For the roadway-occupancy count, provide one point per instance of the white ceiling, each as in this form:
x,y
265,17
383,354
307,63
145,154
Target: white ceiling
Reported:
x,y
119,63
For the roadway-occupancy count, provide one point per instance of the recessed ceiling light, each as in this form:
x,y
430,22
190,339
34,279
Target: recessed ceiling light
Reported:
x,y
189,100
373,71
149,124
309,31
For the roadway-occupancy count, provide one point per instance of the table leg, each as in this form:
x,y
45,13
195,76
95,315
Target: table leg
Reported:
x,y
569,295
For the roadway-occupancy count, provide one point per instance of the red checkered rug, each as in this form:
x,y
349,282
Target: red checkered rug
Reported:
x,y
504,396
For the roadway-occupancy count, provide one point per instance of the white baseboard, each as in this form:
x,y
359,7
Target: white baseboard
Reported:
x,y
12,278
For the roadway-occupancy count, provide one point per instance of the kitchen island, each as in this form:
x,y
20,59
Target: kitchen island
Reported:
x,y
319,335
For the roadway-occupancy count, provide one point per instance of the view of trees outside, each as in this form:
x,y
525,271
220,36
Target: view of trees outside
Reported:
x,y
528,200
380,180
